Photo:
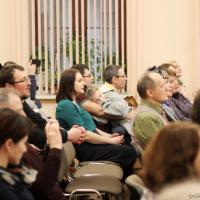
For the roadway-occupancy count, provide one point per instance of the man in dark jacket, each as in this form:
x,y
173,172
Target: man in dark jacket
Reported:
x,y
14,76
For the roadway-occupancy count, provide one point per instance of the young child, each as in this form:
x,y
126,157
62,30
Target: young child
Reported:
x,y
112,107
93,94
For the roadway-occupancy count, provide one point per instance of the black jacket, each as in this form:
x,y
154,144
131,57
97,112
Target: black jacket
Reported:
x,y
37,136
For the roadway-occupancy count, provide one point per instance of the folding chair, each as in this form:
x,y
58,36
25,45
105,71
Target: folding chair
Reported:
x,y
105,168
134,181
90,181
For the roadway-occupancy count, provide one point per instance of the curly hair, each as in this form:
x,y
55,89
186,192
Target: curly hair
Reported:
x,y
169,157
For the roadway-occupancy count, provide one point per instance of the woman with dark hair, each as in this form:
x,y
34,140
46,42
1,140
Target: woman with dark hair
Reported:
x,y
14,179
172,156
99,145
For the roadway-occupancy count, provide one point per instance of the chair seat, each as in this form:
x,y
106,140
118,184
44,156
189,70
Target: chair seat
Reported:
x,y
100,183
103,169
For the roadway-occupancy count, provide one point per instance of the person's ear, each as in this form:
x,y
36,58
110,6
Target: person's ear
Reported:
x,y
114,79
8,145
149,92
8,85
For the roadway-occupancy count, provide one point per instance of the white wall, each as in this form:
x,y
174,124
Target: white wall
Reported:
x,y
14,34
49,107
5,47
160,31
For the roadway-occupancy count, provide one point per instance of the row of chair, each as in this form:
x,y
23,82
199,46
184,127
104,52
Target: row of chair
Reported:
x,y
101,177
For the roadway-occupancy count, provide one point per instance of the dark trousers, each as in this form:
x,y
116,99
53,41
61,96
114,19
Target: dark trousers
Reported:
x,y
123,155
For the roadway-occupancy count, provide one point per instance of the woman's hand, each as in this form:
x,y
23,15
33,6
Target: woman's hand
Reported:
x,y
53,135
76,134
117,139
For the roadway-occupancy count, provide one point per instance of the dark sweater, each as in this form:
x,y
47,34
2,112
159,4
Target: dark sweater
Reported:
x,y
45,186
13,187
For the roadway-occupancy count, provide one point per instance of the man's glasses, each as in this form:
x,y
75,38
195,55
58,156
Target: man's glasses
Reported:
x,y
123,76
25,79
89,75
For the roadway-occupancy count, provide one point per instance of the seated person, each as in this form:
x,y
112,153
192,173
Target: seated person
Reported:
x,y
31,70
111,107
92,93
15,77
46,185
166,106
149,118
119,109
15,179
47,168
99,145
182,103
173,163
167,75
178,102
90,106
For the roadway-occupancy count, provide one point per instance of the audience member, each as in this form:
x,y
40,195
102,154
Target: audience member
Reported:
x,y
172,156
114,109
93,94
177,68
115,82
31,70
182,103
88,105
178,102
47,167
149,117
99,145
15,179
15,77
167,106
46,185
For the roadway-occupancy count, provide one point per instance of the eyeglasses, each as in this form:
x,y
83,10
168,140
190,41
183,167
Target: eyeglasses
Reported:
x,y
89,75
25,79
123,76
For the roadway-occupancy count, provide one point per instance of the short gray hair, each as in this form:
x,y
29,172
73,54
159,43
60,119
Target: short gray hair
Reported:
x,y
5,95
110,72
144,83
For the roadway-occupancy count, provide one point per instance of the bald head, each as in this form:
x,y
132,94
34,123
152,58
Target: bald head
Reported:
x,y
152,86
9,98
146,82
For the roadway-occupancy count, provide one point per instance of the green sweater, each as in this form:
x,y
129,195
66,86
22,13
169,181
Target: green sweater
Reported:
x,y
146,124
68,113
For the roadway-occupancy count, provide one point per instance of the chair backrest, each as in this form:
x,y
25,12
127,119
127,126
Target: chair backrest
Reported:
x,y
136,182
67,157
